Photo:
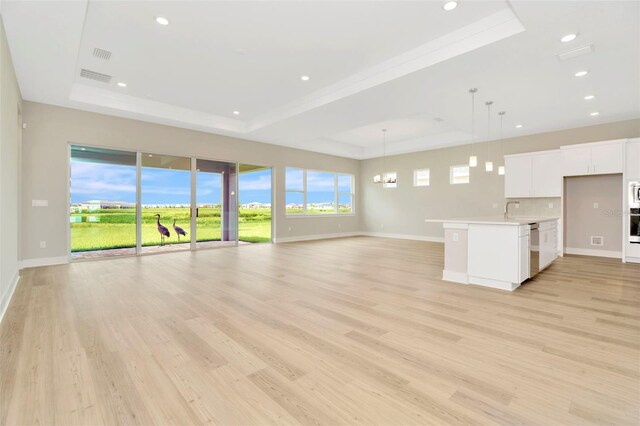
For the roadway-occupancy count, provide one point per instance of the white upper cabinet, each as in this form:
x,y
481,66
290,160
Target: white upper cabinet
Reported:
x,y
535,174
517,176
593,158
545,172
632,171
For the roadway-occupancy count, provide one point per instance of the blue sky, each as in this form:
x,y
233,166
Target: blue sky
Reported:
x,y
94,181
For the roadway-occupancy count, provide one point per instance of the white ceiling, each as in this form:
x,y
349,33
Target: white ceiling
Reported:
x,y
404,66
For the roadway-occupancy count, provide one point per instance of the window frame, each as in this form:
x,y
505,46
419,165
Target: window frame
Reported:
x,y
451,179
336,194
297,191
392,185
415,177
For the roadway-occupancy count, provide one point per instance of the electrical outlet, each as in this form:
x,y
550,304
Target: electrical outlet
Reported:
x,y
550,205
597,240
289,228
596,205
43,244
495,206
517,206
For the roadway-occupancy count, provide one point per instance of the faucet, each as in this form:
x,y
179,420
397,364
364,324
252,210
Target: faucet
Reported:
x,y
506,208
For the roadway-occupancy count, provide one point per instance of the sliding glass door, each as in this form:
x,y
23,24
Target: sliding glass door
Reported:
x,y
127,203
254,185
165,196
216,204
102,211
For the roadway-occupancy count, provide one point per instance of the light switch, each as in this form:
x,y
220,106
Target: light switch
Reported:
x,y
596,205
550,205
456,236
495,205
39,203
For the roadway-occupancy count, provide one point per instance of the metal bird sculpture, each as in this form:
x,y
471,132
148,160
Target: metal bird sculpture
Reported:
x,y
164,232
179,231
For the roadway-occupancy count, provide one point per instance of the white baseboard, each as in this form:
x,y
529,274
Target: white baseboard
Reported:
x,y
631,259
43,261
591,252
456,277
500,285
315,237
404,236
8,294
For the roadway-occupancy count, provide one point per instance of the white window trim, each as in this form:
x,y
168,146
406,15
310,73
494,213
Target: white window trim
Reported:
x,y
386,185
451,182
336,193
415,177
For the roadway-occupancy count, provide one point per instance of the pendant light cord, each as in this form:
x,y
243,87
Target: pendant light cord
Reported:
x,y
488,104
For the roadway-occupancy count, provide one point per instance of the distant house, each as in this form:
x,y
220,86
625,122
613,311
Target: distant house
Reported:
x,y
256,205
93,205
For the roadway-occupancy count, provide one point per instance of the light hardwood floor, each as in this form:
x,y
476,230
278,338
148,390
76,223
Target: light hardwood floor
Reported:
x,y
347,331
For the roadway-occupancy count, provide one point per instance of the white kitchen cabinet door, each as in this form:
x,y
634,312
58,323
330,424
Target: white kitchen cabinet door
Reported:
x,y
517,176
523,255
576,161
607,158
633,160
545,174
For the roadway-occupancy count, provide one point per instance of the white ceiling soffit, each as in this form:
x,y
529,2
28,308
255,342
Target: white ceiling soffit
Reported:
x,y
490,29
398,65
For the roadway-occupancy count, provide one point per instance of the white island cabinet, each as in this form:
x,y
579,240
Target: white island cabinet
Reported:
x,y
495,252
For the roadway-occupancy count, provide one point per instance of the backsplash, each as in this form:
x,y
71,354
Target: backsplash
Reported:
x,y
536,207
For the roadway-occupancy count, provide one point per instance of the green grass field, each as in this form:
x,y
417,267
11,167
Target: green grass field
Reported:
x,y
116,228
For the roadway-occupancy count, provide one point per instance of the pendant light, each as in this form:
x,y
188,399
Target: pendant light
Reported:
x,y
488,165
473,160
501,168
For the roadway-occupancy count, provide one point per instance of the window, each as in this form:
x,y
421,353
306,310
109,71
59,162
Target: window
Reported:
x,y
321,193
295,200
459,174
421,177
390,180
315,192
345,194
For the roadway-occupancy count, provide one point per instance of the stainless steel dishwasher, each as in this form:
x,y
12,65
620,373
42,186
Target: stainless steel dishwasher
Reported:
x,y
534,250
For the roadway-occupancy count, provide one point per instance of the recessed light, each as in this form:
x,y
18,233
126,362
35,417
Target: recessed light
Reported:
x,y
568,38
162,21
518,126
150,155
304,78
83,149
236,112
121,84
450,5
593,114
581,73
589,97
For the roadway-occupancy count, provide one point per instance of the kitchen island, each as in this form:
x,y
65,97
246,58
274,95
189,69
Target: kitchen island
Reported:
x,y
497,252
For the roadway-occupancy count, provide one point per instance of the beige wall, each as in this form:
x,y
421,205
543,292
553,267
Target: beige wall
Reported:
x,y
10,128
402,210
51,128
584,220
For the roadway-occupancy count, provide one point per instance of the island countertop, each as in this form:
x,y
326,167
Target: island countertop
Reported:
x,y
513,221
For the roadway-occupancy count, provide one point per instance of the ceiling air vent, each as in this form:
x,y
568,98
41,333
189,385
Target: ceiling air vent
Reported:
x,y
576,52
92,75
101,53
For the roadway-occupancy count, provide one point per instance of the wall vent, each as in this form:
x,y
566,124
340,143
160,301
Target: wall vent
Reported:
x,y
101,53
576,52
597,241
93,75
